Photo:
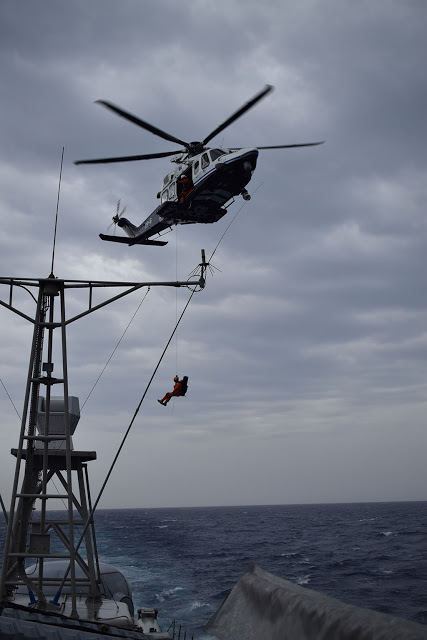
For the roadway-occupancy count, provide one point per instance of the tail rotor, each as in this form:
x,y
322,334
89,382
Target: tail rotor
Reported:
x,y
117,217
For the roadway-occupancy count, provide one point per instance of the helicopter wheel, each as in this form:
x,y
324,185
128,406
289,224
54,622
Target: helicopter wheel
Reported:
x,y
245,195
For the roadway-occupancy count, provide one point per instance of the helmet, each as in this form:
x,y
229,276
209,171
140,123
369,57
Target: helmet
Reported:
x,y
176,379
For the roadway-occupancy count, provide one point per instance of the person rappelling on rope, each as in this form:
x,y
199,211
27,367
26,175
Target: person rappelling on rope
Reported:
x,y
180,389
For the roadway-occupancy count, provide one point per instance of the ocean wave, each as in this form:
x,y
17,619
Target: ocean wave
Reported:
x,y
166,593
169,592
303,580
199,605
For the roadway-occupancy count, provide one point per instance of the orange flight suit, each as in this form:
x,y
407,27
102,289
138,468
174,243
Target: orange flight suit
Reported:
x,y
176,392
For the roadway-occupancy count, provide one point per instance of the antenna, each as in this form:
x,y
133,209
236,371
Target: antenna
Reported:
x,y
56,217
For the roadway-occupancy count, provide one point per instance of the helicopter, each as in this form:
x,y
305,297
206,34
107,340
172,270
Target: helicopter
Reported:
x,y
200,188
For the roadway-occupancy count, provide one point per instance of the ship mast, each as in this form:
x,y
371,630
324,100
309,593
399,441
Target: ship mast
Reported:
x,y
45,452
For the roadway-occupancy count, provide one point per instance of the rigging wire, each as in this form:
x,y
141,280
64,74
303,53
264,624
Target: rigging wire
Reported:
x,y
115,349
8,395
56,217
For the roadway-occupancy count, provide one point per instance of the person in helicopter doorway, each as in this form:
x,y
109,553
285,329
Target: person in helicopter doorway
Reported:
x,y
177,391
186,186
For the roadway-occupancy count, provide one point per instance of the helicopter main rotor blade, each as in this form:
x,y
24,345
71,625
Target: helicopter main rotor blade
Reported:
x,y
140,123
282,146
146,156
239,113
292,146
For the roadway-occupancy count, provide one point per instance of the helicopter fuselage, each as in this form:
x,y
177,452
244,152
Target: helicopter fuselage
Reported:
x,y
197,191
216,176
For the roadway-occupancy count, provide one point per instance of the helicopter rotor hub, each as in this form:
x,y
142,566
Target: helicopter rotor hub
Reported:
x,y
195,147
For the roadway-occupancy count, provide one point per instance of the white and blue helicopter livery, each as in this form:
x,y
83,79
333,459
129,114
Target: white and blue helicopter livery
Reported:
x,y
198,190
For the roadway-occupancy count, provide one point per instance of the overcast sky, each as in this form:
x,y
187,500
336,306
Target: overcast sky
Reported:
x,y
306,352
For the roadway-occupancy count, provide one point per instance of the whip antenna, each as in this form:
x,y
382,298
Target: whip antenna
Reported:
x,y
56,217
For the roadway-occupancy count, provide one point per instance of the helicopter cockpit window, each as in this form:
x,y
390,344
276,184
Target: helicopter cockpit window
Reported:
x,y
196,167
205,161
172,191
164,197
216,153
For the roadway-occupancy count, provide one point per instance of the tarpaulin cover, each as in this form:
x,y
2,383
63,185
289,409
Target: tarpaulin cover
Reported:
x,y
263,606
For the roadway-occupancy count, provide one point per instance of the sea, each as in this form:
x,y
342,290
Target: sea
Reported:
x,y
184,561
